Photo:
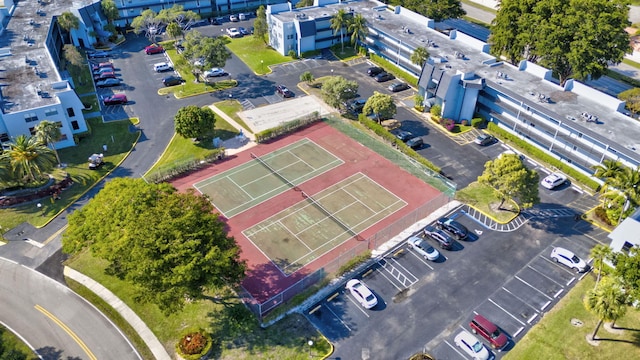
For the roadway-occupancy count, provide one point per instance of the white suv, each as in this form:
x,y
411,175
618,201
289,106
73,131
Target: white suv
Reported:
x,y
471,346
161,67
569,259
553,180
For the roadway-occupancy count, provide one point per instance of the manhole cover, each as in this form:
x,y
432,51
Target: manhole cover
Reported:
x,y
576,322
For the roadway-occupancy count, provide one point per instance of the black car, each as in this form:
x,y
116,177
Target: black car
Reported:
x,y
373,71
442,238
282,90
172,80
399,86
99,55
402,135
356,106
415,143
382,77
456,229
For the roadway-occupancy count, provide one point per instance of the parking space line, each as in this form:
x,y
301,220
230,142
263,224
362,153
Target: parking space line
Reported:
x,y
519,298
385,276
455,348
508,313
532,318
545,305
415,279
518,332
570,281
553,281
358,305
556,264
420,258
533,287
558,293
339,319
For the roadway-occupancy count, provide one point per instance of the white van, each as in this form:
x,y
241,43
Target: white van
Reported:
x,y
242,17
161,67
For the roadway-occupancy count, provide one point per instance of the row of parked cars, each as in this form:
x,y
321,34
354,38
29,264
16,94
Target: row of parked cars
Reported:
x,y
104,75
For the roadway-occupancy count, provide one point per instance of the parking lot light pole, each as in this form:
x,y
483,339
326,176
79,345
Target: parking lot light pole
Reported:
x,y
262,65
310,343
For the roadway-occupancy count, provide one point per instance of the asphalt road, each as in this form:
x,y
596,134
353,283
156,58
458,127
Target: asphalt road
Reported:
x,y
56,322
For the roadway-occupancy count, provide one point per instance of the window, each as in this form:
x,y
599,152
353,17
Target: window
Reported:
x,y
50,112
74,125
70,112
4,137
32,130
59,123
30,117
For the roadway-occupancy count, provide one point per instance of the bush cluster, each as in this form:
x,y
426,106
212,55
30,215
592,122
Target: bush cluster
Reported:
x,y
194,344
601,214
448,124
185,167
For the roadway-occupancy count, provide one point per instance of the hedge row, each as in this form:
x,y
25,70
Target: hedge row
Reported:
x,y
544,157
184,167
287,128
394,69
389,137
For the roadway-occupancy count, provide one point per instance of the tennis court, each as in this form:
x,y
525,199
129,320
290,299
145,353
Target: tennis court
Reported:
x,y
320,222
249,184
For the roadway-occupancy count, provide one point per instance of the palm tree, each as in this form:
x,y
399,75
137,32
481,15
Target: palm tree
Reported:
x,y
68,21
358,29
609,168
420,56
28,157
49,133
608,302
600,253
338,22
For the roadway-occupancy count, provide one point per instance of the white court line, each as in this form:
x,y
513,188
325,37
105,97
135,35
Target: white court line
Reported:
x,y
506,312
339,319
553,281
533,287
455,348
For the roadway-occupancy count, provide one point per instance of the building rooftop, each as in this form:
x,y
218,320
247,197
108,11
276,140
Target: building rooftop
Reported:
x,y
457,52
28,75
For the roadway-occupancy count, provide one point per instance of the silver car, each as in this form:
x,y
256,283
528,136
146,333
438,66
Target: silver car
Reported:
x,y
423,248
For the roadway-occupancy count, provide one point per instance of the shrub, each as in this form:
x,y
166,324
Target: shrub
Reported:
x,y
464,122
448,124
436,111
292,53
287,127
601,214
354,262
477,122
194,344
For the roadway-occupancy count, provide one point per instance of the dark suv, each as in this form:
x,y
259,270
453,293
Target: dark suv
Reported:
x,y
355,106
456,229
373,71
444,240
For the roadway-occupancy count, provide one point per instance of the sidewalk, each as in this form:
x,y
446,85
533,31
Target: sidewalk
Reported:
x,y
246,140
131,317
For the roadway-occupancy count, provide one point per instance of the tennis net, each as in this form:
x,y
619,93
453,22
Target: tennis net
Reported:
x,y
329,214
272,170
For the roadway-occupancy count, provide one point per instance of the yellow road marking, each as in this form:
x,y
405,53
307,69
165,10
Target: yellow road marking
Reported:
x,y
68,331
56,234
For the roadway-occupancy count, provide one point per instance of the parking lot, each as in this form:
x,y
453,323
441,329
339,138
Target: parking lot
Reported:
x,y
507,277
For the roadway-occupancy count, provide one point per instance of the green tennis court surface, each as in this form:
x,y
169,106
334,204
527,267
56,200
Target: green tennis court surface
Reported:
x,y
253,182
302,233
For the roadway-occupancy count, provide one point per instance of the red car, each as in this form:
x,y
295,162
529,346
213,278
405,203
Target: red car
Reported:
x,y
115,99
488,330
103,65
105,75
153,49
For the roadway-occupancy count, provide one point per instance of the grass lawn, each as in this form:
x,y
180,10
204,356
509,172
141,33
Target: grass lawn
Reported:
x,y
347,53
256,54
555,338
232,108
8,342
222,314
483,198
77,167
92,102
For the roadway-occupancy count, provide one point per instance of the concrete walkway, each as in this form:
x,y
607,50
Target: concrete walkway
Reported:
x,y
129,315
246,140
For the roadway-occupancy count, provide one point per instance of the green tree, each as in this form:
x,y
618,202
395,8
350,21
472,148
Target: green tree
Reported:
x,y
608,302
358,29
419,56
68,21
631,98
213,50
110,10
621,188
28,158
304,3
600,253
511,179
174,30
72,55
260,27
148,22
170,246
49,133
177,14
575,39
194,122
381,105
336,90
307,77
338,22
627,269
437,10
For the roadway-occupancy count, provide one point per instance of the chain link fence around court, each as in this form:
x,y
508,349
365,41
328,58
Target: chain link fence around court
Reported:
x,y
333,266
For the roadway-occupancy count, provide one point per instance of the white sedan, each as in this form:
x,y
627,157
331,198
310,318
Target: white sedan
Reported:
x,y
215,72
361,292
553,180
470,345
568,259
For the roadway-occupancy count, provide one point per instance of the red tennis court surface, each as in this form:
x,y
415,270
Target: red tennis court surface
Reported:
x,y
264,280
